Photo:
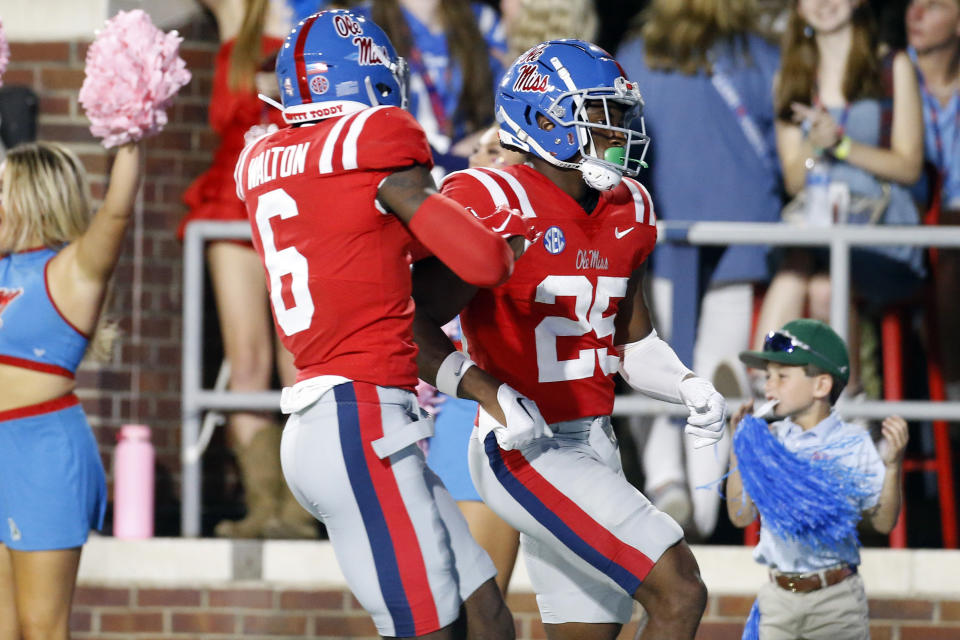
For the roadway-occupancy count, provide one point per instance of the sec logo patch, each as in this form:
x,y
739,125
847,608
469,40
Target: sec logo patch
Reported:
x,y
554,240
319,84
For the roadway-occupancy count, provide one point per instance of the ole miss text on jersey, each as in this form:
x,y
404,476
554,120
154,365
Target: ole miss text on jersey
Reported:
x,y
548,331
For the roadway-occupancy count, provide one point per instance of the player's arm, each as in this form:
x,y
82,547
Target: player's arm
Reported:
x,y
438,296
740,506
449,231
650,365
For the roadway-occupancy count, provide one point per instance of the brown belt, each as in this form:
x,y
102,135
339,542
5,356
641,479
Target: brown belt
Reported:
x,y
806,582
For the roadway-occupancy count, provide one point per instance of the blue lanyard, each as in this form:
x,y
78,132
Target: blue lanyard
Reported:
x,y
724,86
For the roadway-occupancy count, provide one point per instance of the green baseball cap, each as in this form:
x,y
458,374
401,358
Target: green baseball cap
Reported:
x,y
802,342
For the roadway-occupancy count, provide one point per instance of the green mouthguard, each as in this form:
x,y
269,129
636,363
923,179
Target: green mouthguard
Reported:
x,y
615,155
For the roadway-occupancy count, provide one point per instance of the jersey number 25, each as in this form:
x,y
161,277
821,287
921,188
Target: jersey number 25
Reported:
x,y
589,318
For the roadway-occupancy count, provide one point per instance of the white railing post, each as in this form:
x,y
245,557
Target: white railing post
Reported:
x,y
840,286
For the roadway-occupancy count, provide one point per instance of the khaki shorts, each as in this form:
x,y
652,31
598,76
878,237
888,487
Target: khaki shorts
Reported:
x,y
838,612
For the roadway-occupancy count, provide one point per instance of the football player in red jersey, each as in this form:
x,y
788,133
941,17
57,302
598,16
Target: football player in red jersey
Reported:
x,y
571,316
340,203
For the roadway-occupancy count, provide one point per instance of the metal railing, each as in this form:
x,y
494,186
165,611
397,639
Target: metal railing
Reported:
x,y
839,239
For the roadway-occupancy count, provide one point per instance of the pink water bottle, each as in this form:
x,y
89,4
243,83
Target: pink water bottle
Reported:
x,y
133,483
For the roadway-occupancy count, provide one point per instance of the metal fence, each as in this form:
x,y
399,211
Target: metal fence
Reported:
x,y
196,400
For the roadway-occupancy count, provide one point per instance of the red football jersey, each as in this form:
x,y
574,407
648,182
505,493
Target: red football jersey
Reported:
x,y
337,265
548,331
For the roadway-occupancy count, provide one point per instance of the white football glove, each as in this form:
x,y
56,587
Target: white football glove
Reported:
x,y
708,411
524,422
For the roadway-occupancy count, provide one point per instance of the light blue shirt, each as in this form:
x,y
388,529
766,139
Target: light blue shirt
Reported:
x,y
702,167
946,155
947,118
852,445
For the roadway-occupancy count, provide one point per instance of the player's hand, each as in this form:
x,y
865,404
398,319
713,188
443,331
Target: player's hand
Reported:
x,y
506,223
894,442
524,424
708,411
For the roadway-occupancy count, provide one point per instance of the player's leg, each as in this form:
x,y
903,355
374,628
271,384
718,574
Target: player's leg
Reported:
x,y
44,591
673,595
589,537
447,457
9,626
387,532
292,521
486,614
573,587
239,290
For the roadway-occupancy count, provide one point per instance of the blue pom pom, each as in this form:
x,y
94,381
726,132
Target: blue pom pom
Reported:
x,y
751,630
812,499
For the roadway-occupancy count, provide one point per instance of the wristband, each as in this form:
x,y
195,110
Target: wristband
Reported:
x,y
451,371
841,150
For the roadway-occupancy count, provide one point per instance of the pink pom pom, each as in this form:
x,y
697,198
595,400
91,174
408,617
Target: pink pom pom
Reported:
x,y
4,52
428,397
133,72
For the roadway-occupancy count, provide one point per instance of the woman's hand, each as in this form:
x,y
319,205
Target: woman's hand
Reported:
x,y
821,129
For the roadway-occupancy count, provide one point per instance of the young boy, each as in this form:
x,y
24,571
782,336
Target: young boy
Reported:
x,y
816,593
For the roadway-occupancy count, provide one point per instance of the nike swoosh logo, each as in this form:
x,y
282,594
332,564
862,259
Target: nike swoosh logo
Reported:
x,y
619,234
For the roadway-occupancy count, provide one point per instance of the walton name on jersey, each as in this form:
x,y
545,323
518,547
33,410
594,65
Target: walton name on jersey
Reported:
x,y
276,162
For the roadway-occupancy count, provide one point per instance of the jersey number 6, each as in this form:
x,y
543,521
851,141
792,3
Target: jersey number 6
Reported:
x,y
285,262
589,318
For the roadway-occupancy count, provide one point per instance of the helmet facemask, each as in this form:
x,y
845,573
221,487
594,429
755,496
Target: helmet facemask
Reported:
x,y
603,172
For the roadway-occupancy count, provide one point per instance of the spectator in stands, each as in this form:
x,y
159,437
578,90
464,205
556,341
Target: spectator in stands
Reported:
x,y
933,31
839,101
814,590
55,262
707,79
530,22
451,81
250,34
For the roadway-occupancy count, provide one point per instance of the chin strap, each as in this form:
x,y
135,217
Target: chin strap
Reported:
x,y
599,176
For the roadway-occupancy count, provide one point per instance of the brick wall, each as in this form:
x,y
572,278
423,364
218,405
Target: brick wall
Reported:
x,y
142,381
257,612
